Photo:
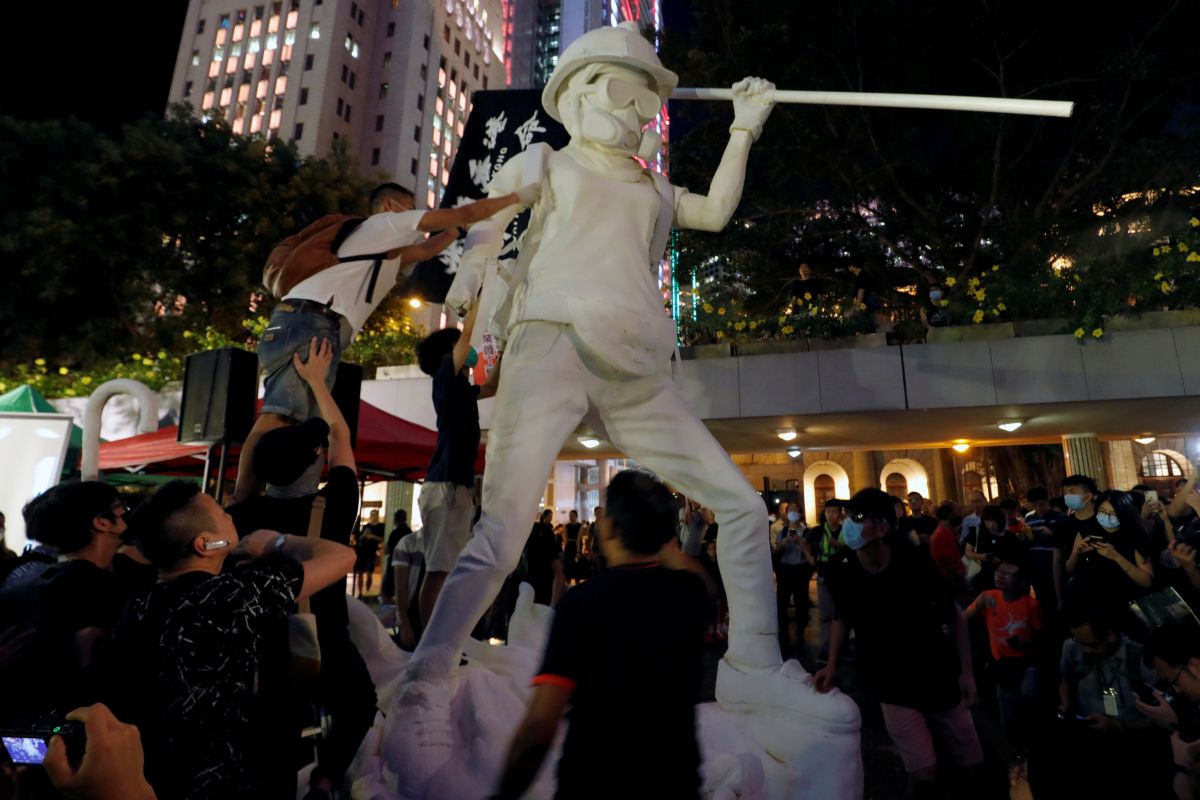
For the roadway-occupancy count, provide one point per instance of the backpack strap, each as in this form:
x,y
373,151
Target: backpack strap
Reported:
x,y
349,227
666,215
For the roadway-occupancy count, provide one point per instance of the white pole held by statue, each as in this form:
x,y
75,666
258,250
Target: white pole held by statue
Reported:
x,y
942,102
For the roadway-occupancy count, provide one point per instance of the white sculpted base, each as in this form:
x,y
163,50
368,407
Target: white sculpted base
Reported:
x,y
803,757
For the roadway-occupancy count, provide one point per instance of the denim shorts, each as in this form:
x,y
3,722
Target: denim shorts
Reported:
x,y
290,331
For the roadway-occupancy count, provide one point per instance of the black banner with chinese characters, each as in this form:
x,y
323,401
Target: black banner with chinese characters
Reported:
x,y
501,125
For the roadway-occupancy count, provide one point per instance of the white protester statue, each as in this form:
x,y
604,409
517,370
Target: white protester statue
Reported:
x,y
582,319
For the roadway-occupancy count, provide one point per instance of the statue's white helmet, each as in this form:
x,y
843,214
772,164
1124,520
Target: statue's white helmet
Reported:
x,y
622,44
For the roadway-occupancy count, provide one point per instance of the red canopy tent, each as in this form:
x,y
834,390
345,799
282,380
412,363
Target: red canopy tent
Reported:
x,y
387,446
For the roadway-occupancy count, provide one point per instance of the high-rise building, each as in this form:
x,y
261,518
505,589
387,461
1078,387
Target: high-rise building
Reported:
x,y
537,31
391,80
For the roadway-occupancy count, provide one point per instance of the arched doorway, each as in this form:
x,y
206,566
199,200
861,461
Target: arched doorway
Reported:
x,y
896,485
824,488
978,476
916,479
1160,470
833,480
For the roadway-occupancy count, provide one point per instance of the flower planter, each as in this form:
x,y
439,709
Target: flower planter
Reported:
x,y
1181,318
697,351
1042,327
772,347
972,333
849,342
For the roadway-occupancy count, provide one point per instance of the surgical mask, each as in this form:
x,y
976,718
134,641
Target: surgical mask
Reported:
x,y
1108,521
852,534
793,516
935,295
1074,501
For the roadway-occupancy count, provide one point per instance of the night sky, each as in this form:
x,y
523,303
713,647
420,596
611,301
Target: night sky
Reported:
x,y
105,63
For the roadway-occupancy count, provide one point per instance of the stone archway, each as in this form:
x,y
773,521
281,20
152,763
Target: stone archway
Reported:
x,y
841,486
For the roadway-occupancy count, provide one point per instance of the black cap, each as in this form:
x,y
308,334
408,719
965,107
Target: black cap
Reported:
x,y
282,455
833,502
876,504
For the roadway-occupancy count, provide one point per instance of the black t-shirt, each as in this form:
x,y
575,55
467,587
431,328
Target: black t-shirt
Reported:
x,y
537,562
192,650
133,577
899,617
935,315
290,515
923,524
811,287
629,642
369,539
73,596
866,281
456,402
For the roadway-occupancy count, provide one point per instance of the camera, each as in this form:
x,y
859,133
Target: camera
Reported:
x,y
28,739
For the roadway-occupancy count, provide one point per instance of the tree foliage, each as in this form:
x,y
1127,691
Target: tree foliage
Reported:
x,y
113,245
927,195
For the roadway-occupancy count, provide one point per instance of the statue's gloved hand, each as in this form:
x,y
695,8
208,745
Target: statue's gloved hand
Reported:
x,y
753,99
483,244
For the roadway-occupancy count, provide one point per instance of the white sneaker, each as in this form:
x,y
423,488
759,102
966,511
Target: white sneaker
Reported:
x,y
420,737
786,692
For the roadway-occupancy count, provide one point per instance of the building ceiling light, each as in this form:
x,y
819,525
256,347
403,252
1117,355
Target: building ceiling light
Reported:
x,y
1146,439
794,452
589,442
961,447
787,434
1010,425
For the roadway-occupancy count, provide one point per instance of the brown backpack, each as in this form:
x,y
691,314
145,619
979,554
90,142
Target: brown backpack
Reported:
x,y
314,249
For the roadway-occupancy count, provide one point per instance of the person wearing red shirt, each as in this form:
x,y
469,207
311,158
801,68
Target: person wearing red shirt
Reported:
x,y
943,549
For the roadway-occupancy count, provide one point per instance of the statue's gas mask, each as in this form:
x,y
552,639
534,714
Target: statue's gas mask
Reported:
x,y
610,106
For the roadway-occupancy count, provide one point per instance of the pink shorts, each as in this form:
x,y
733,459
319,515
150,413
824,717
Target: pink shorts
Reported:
x,y
913,734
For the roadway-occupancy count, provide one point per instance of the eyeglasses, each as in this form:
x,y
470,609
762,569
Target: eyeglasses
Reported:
x,y
621,94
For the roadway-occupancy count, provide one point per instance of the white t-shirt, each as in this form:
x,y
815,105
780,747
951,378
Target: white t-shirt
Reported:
x,y
344,286
410,551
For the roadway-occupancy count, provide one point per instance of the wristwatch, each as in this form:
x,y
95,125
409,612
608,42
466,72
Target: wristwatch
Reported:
x,y
277,545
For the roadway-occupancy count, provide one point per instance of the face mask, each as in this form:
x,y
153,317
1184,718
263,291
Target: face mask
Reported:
x,y
852,534
935,295
1074,501
1108,521
793,516
602,128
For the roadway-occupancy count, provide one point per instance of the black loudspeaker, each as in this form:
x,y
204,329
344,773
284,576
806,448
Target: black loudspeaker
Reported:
x,y
346,391
220,389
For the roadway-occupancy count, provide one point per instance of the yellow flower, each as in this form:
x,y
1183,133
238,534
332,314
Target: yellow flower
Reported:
x,y
788,330
808,296
721,311
147,362
995,267
943,303
162,353
980,295
70,392
707,308
41,362
1097,333
188,334
951,281
1183,248
1193,257
1156,251
753,325
1166,287
63,370
1158,276
973,282
1079,333
135,357
812,309
1195,223
995,312
720,334
739,326
85,380
1001,307
978,318
1161,251
782,320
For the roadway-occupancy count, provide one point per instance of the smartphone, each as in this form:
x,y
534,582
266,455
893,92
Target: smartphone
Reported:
x,y
1151,496
27,740
1145,694
25,749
